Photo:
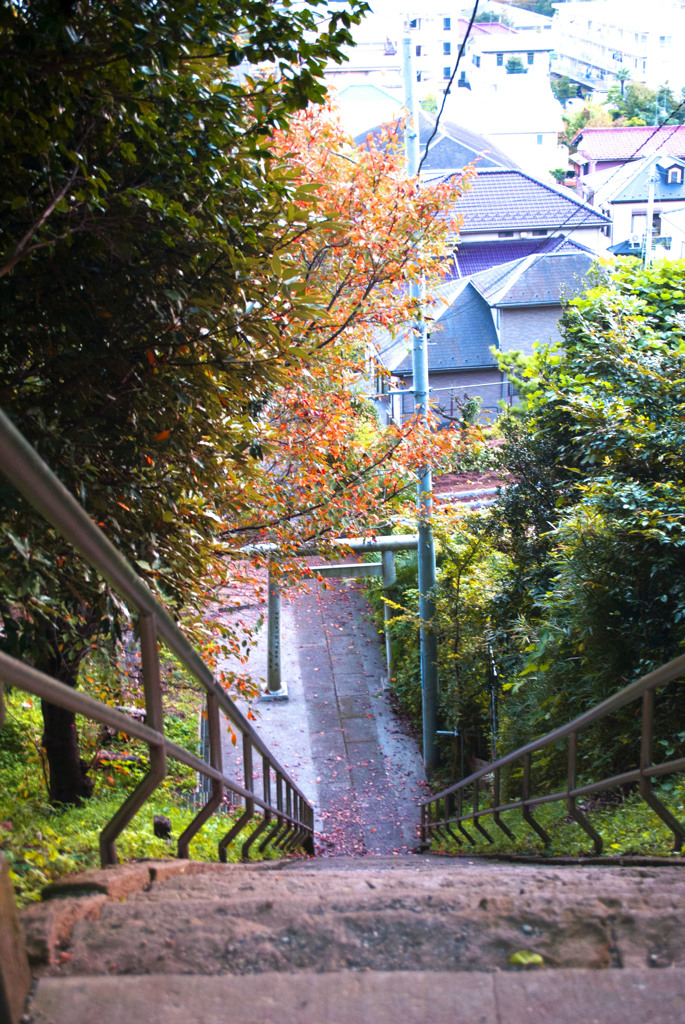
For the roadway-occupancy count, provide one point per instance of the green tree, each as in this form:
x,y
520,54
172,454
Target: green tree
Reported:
x,y
595,523
635,104
591,115
622,76
489,16
515,66
141,288
564,89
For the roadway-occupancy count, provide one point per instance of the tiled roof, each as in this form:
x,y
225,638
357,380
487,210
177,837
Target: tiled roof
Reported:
x,y
462,337
636,190
474,257
630,143
509,200
540,280
452,148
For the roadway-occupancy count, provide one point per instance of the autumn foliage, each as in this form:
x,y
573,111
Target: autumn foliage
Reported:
x,y
328,466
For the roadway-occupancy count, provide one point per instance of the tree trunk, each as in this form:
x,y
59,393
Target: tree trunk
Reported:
x,y
69,783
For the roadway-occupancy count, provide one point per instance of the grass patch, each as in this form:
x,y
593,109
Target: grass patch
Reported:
x,y
43,844
627,826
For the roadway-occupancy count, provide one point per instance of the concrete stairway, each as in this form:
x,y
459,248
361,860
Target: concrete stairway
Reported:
x,y
376,939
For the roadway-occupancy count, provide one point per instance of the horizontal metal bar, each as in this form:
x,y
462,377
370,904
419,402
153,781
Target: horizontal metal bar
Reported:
x,y
354,569
23,676
660,677
29,474
666,768
389,542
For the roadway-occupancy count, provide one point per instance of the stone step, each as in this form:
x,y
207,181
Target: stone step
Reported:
x,y
446,915
637,996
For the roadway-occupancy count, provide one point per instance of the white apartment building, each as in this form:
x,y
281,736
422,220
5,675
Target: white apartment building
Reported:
x,y
595,39
436,29
509,98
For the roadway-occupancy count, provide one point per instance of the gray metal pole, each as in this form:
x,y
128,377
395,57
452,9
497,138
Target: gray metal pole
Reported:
x,y
426,548
275,689
389,592
649,225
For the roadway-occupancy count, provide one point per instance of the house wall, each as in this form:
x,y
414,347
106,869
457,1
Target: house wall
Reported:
x,y
522,326
589,236
622,214
486,382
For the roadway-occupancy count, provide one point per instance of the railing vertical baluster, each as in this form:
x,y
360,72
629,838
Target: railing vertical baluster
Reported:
x,y
248,813
147,628
496,799
571,807
476,817
645,781
217,789
264,824
460,824
276,826
525,796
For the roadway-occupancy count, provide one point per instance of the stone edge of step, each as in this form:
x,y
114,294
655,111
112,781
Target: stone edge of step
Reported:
x,y
564,996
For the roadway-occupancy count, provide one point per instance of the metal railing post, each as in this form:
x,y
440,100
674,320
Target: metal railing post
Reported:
x,y
389,585
575,813
525,809
645,781
147,628
275,687
217,789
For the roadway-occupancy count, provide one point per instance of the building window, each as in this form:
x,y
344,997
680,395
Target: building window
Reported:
x,y
418,76
539,232
530,57
447,72
446,49
539,140
415,23
675,176
418,51
476,60
505,234
500,60
446,24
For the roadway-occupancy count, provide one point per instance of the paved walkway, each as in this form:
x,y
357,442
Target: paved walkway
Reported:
x,y
337,734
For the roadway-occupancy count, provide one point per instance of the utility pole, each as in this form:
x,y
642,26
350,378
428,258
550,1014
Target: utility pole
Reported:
x,y
649,226
424,501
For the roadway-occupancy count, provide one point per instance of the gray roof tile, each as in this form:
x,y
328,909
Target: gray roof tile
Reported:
x,y
541,280
509,200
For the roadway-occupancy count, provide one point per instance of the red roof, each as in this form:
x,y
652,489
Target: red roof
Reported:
x,y
631,143
485,28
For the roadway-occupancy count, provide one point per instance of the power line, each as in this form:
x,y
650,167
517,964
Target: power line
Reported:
x,y
462,48
571,217
632,156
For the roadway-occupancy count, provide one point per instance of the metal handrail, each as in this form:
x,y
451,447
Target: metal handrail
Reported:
x,y
292,812
440,812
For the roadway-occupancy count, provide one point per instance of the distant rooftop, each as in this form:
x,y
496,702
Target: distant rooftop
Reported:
x,y
452,148
537,280
623,144
511,200
475,257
